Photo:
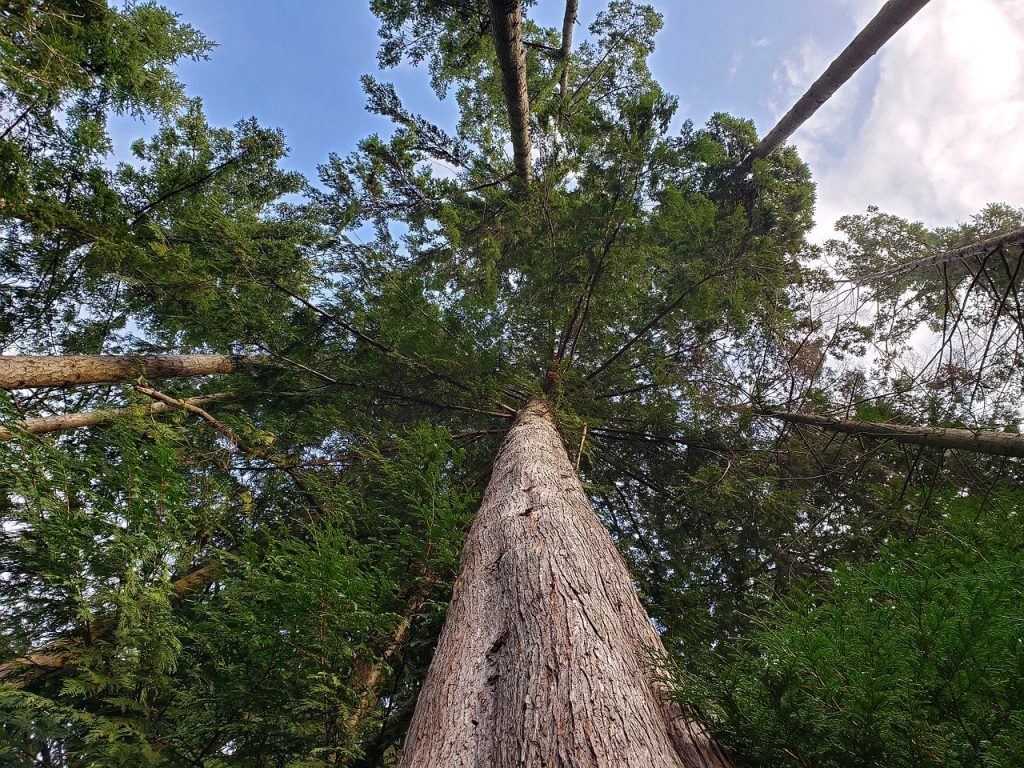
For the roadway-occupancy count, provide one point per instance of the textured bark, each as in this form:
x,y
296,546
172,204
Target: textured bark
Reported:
x,y
547,657
507,23
886,23
977,441
978,250
24,371
67,421
59,655
568,21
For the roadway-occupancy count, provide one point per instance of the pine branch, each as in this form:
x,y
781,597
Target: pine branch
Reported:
x,y
57,656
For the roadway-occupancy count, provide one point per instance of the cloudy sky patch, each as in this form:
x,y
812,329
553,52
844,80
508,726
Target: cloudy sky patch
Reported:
x,y
942,132
932,128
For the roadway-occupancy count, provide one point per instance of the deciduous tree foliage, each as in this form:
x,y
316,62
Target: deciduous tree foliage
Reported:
x,y
250,565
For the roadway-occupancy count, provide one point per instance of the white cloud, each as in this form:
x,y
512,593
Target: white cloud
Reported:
x,y
761,42
830,126
735,63
944,131
798,68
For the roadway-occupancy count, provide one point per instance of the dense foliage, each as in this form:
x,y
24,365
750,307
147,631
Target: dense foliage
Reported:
x,y
259,581
914,659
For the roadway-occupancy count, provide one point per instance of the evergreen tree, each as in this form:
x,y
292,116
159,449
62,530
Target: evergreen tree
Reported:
x,y
249,562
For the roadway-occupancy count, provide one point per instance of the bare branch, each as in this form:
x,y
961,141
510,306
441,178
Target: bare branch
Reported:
x,y
976,441
977,250
67,421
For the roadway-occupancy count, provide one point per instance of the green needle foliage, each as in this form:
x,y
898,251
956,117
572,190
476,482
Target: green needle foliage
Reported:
x,y
261,583
912,660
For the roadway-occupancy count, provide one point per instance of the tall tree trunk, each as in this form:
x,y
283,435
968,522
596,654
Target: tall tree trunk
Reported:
x,y
886,23
547,656
977,441
507,23
24,371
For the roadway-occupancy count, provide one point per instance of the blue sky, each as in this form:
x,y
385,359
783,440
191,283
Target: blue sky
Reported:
x,y
931,129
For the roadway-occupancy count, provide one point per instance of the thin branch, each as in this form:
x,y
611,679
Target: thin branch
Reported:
x,y
160,200
648,327
238,444
206,416
67,421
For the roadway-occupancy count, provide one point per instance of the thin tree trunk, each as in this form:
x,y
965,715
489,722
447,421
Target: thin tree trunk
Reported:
x,y
507,23
67,421
977,441
568,21
25,371
977,250
887,22
547,656
367,675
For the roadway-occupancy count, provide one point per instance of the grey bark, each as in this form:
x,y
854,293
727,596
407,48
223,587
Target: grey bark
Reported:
x,y
507,24
980,250
977,441
547,657
26,371
67,421
568,21
886,23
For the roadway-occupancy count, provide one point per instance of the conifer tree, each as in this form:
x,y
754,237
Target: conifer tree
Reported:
x,y
252,565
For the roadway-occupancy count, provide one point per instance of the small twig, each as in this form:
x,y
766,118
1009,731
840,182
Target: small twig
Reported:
x,y
206,416
579,453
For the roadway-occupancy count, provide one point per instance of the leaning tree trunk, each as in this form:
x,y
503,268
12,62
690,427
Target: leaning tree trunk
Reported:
x,y
25,371
947,438
62,653
979,251
568,20
889,20
547,656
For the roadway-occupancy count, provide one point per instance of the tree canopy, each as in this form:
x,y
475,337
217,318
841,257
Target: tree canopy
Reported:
x,y
251,567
